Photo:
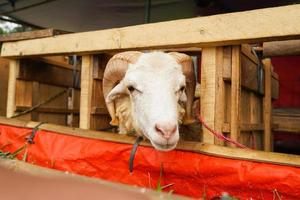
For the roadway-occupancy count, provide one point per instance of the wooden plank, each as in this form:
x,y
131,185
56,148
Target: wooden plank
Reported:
x,y
281,48
215,150
267,106
247,51
235,93
17,174
58,61
288,120
4,70
249,75
14,66
34,70
256,118
244,127
35,100
222,59
86,91
275,86
209,81
30,35
218,30
50,110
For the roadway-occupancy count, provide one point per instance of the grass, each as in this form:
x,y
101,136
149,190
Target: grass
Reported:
x,y
9,155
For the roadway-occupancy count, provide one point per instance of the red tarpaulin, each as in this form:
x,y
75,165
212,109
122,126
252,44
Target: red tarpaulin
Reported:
x,y
190,173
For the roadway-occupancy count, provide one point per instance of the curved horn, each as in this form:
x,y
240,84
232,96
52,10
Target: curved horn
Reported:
x,y
113,74
188,70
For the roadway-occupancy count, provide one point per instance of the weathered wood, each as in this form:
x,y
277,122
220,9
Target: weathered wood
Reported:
x,y
209,85
281,48
274,85
215,150
30,35
218,30
222,59
14,66
58,61
235,93
35,100
267,106
244,127
247,51
86,91
34,70
49,110
17,174
4,71
288,120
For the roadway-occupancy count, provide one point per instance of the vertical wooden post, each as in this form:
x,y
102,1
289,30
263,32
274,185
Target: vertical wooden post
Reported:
x,y
71,98
235,93
86,91
14,66
212,87
35,100
267,106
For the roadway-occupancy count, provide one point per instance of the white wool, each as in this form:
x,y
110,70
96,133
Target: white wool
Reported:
x,y
156,78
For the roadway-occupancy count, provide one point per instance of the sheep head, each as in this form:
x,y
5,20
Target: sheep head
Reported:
x,y
155,83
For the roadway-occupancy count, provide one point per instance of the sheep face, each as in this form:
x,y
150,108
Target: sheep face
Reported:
x,y
155,85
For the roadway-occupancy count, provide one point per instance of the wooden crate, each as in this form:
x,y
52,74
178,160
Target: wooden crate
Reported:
x,y
230,102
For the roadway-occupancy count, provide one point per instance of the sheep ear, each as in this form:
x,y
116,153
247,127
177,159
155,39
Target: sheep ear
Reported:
x,y
118,90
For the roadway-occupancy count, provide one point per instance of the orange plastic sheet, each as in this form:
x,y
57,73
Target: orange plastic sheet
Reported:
x,y
190,174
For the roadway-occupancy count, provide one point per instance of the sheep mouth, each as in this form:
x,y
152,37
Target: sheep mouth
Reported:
x,y
163,147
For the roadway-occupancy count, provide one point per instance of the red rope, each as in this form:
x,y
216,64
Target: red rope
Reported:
x,y
220,135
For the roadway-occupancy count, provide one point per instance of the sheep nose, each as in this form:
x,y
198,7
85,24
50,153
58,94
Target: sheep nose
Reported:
x,y
166,129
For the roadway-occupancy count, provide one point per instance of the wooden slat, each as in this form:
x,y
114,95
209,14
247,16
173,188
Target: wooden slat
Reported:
x,y
49,110
4,71
30,35
215,150
222,59
56,61
34,70
235,93
86,91
288,120
217,30
267,106
14,66
209,71
35,100
55,184
281,48
244,127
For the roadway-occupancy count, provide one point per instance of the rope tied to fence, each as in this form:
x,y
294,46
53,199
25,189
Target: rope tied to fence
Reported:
x,y
220,136
40,104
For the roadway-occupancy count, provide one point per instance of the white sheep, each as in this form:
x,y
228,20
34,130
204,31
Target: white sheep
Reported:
x,y
150,94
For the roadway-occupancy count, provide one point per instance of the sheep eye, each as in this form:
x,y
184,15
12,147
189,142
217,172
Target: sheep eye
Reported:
x,y
130,88
182,88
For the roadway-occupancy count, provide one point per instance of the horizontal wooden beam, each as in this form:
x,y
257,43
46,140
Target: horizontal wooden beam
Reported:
x,y
209,149
281,48
49,110
30,35
217,30
288,120
19,173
